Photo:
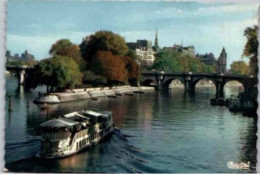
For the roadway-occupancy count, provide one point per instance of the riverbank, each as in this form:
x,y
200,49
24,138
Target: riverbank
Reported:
x,y
90,93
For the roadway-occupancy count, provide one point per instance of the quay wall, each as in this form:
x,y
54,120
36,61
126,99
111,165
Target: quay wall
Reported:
x,y
88,93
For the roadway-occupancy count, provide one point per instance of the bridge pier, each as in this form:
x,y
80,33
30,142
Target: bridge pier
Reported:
x,y
159,76
219,88
160,85
21,76
187,83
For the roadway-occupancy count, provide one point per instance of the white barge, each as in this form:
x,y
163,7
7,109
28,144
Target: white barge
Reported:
x,y
74,132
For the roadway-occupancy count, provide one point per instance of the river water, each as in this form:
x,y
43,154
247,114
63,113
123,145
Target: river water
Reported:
x,y
160,132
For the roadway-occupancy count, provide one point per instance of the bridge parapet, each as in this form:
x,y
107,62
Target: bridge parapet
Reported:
x,y
189,79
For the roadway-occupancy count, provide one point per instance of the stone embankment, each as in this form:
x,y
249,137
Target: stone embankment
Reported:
x,y
90,93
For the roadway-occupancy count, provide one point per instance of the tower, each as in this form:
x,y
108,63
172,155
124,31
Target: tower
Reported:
x,y
156,45
222,61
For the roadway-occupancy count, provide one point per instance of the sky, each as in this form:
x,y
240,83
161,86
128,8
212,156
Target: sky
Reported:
x,y
36,25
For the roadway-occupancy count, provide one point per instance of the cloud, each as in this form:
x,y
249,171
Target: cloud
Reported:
x,y
228,8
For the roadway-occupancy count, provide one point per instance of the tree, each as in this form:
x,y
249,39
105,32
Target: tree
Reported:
x,y
132,54
58,72
110,66
133,71
94,79
65,47
41,75
250,49
239,68
8,53
102,41
166,60
174,61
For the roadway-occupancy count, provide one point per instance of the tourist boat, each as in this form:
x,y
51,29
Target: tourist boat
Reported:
x,y
74,132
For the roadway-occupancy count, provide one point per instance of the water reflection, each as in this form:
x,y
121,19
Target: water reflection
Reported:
x,y
160,132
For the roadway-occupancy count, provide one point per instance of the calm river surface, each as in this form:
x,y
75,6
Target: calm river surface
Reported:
x,y
160,132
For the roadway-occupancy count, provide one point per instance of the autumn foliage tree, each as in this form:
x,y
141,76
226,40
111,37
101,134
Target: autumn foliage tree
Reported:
x,y
110,66
133,70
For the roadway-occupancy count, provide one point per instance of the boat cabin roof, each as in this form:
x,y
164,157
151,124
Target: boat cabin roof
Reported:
x,y
92,113
75,118
59,123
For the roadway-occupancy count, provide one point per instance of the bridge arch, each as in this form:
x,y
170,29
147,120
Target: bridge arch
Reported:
x,y
147,82
242,82
196,80
237,87
168,81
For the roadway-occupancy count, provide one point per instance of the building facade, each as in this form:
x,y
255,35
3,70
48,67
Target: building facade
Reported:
x,y
208,59
144,51
220,63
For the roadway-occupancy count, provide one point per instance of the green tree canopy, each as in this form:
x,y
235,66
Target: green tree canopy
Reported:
x,y
103,41
65,47
173,61
251,48
58,72
239,68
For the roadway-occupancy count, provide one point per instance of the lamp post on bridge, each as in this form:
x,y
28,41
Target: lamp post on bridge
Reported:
x,y
159,77
187,81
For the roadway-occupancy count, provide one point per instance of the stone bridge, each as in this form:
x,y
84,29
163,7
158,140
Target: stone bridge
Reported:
x,y
162,80
20,71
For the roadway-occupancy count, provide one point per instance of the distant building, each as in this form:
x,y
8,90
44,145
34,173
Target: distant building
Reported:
x,y
144,50
220,63
186,50
208,59
26,56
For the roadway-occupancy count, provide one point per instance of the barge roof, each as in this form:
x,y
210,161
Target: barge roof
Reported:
x,y
59,123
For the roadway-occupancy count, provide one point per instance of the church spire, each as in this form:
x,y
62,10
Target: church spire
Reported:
x,y
156,45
